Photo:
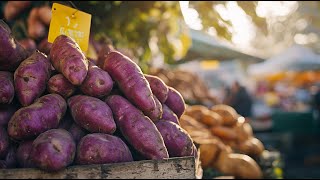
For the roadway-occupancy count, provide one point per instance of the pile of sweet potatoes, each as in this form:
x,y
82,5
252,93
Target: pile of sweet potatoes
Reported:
x,y
61,109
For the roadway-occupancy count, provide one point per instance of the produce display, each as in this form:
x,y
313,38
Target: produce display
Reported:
x,y
70,111
192,88
225,140
59,108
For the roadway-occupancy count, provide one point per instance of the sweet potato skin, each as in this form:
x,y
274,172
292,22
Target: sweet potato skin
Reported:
x,y
92,114
53,150
137,128
175,102
98,82
176,139
158,87
67,58
45,46
11,157
11,52
60,85
31,77
23,154
36,29
131,82
4,142
13,8
169,115
77,132
44,114
6,87
6,112
98,148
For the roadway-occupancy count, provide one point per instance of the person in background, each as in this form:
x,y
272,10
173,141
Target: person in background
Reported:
x,y
316,105
240,100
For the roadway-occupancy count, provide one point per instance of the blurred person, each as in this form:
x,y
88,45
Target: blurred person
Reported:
x,y
240,100
316,105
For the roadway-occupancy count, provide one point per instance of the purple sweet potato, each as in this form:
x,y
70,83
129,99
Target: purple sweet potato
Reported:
x,y
176,139
175,102
3,164
60,85
98,82
31,77
29,45
101,148
4,142
11,52
92,114
137,128
132,83
6,87
23,155
44,114
67,58
11,157
6,112
53,150
45,46
169,115
77,132
158,87
66,122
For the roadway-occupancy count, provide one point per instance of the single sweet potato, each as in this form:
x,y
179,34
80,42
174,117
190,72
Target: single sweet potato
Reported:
x,y
239,165
77,132
31,77
44,114
175,102
92,114
44,46
36,29
11,52
45,14
67,58
60,85
6,112
6,87
176,139
23,154
169,115
53,150
98,82
101,148
158,87
225,133
3,164
29,45
14,8
132,83
11,157
4,142
228,114
137,128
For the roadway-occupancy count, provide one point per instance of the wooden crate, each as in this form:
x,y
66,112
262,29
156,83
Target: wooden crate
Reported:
x,y
173,168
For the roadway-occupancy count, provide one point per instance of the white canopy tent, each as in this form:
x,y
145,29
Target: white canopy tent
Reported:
x,y
296,58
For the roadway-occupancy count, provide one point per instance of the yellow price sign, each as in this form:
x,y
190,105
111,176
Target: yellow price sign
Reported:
x,y
70,22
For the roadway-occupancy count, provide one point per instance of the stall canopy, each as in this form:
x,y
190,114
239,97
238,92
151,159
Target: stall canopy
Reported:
x,y
206,47
297,58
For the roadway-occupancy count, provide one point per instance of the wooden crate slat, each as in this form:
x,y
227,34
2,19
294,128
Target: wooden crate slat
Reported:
x,y
173,168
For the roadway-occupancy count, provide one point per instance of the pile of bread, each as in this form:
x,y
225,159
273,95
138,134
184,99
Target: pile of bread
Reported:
x,y
225,140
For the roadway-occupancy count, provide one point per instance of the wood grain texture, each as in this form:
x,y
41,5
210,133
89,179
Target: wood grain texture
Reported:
x,y
173,168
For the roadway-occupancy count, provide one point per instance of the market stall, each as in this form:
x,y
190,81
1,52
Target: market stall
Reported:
x,y
73,105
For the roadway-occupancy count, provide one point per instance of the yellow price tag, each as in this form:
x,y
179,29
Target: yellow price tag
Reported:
x,y
71,22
